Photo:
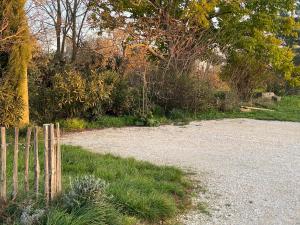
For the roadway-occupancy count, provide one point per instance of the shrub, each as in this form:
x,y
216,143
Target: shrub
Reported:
x,y
226,101
185,91
122,99
98,93
73,124
23,211
244,73
69,92
85,190
31,216
85,203
179,116
147,120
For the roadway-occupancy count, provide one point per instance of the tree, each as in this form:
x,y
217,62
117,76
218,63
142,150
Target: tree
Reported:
x,y
67,18
253,32
16,39
151,21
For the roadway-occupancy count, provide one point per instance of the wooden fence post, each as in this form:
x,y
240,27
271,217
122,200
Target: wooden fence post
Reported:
x,y
26,160
58,159
46,162
52,162
36,162
3,165
15,164
52,165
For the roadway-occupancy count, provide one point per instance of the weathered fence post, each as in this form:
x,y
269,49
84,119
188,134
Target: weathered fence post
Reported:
x,y
15,163
52,162
58,158
36,161
3,165
52,169
26,159
46,162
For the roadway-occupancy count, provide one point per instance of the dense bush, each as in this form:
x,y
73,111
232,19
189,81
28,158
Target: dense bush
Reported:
x,y
189,92
68,93
86,97
71,94
244,74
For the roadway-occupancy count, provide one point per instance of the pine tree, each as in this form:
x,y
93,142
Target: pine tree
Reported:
x,y
18,50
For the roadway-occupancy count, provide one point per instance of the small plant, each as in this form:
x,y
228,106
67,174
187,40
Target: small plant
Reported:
x,y
85,203
31,216
147,120
73,124
85,190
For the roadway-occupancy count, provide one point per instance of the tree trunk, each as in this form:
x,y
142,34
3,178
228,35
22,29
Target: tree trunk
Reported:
x,y
74,32
23,92
58,31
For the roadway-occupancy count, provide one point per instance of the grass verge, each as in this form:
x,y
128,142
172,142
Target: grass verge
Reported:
x,y
140,189
140,192
286,110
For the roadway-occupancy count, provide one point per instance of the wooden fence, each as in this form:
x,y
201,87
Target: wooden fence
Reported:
x,y
52,162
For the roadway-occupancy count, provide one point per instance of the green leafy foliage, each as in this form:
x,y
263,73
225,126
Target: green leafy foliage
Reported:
x,y
252,30
72,94
11,106
73,124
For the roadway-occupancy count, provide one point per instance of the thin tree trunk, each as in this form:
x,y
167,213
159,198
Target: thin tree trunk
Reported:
x,y
74,32
58,31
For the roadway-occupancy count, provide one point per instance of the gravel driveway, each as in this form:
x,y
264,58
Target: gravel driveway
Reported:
x,y
250,168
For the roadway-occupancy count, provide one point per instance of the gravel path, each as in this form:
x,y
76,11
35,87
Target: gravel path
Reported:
x,y
250,168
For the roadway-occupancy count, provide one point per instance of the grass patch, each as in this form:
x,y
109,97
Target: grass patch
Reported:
x,y
110,121
286,110
139,188
75,124
139,191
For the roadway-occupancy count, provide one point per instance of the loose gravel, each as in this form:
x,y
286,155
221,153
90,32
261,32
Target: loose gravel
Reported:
x,y
250,168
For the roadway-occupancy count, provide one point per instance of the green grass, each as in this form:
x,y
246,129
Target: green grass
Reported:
x,y
75,124
111,121
139,188
286,110
140,191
